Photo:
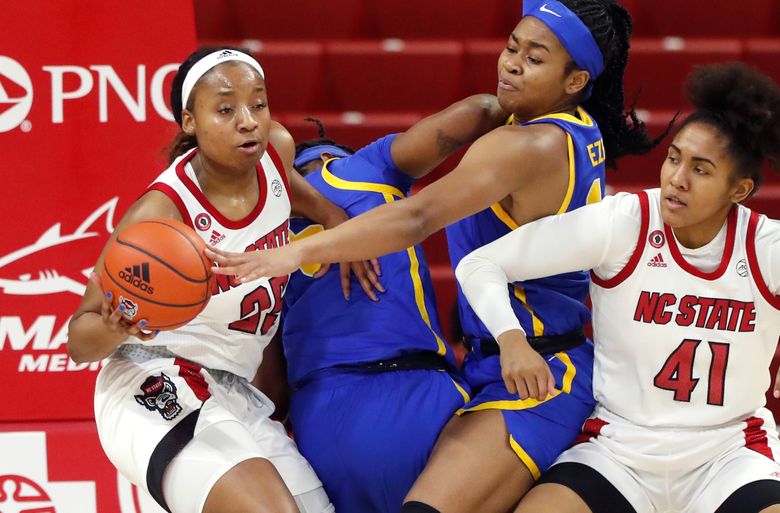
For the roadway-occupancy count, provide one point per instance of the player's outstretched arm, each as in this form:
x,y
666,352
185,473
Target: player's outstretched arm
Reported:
x,y
497,164
428,142
308,202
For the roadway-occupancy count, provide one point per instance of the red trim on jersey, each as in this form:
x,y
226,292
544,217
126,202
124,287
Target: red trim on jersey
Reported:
x,y
211,209
191,374
755,437
731,230
755,270
624,273
591,429
277,160
174,196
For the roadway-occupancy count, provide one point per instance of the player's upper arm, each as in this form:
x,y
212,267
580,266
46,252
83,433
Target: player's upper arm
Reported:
x,y
504,161
429,141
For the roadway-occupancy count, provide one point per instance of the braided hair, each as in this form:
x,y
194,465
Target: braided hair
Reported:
x,y
623,132
184,142
321,139
744,105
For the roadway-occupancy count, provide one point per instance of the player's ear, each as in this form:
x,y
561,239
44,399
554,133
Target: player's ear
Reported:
x,y
576,81
187,122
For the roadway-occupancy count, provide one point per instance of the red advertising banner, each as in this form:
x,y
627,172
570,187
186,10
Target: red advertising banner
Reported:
x,y
59,467
84,123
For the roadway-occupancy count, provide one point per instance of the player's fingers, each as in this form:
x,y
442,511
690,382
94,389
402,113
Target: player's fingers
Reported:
x,y
322,271
541,385
105,307
344,273
146,335
509,383
372,277
533,388
96,279
365,283
550,382
376,267
522,388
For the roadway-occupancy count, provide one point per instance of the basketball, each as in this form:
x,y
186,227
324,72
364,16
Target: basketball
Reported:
x,y
156,269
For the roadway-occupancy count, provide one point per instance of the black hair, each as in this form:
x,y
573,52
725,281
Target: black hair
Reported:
x,y
744,105
321,139
183,141
622,130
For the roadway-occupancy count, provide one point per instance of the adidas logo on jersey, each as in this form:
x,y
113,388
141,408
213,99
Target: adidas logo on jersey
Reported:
x,y
656,261
138,276
216,238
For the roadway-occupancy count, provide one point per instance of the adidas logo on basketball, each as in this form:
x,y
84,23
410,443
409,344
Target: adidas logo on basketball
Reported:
x,y
216,238
656,261
138,276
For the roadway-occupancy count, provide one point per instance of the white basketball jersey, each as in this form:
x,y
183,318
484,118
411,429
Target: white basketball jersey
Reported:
x,y
241,318
676,346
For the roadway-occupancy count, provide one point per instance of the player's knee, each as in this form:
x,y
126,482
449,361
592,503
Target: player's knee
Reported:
x,y
418,507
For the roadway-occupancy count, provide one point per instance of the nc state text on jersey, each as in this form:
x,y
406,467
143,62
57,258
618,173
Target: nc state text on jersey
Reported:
x,y
703,312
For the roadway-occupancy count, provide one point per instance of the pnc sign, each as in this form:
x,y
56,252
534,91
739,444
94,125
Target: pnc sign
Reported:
x,y
69,82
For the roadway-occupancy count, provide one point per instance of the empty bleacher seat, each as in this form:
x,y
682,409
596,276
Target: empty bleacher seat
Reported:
x,y
393,75
764,54
302,19
481,61
705,18
294,71
659,67
437,18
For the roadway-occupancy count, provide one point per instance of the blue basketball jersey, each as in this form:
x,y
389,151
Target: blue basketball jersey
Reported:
x,y
322,329
552,305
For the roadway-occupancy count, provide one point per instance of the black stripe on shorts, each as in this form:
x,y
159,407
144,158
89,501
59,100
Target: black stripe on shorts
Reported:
x,y
599,494
171,445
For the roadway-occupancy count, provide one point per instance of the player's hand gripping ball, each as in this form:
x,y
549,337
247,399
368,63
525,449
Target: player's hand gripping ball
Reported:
x,y
157,269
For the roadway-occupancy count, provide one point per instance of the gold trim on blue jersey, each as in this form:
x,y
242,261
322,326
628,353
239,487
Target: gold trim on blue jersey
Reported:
x,y
340,183
536,322
572,176
527,460
390,193
524,404
308,269
461,391
503,216
583,120
594,194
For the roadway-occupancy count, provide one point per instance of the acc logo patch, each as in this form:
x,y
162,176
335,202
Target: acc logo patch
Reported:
x,y
203,221
159,394
657,239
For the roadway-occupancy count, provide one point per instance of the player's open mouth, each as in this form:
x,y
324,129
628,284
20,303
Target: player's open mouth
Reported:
x,y
250,146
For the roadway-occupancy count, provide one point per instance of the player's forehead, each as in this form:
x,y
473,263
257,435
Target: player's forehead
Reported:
x,y
229,77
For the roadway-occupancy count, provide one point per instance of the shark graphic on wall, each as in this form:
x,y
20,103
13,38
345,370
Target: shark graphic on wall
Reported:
x,y
56,262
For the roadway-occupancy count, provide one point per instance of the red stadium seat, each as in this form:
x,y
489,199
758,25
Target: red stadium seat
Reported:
x,y
393,75
644,171
351,128
302,19
764,54
481,58
294,74
659,67
215,20
705,18
437,18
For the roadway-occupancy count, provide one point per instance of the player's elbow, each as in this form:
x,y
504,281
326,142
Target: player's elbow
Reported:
x,y
468,267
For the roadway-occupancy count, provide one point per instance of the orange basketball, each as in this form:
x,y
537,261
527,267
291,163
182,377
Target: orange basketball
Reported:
x,y
156,269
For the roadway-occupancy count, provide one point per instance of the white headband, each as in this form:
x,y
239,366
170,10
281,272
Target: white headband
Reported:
x,y
206,63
